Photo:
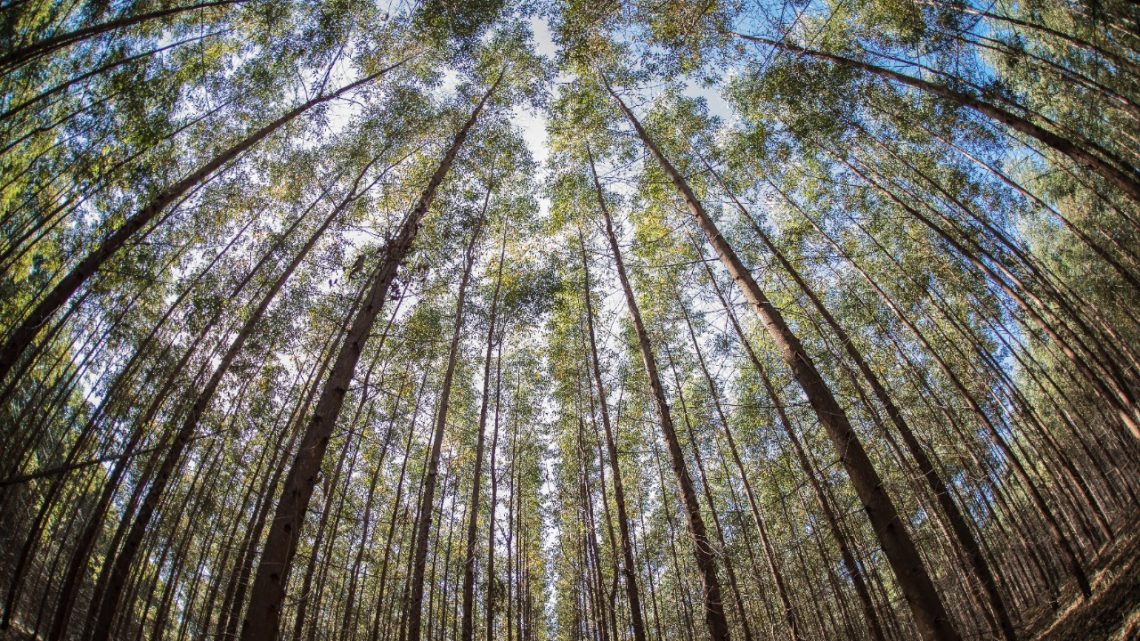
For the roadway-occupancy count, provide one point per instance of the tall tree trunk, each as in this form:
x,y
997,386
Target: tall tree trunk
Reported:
x,y
793,627
374,631
591,552
629,567
492,586
1123,63
71,82
702,549
512,502
467,629
306,600
348,624
680,590
1072,563
929,612
427,497
733,583
234,598
1100,369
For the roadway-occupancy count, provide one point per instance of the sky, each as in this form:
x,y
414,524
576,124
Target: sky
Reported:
x,y
533,122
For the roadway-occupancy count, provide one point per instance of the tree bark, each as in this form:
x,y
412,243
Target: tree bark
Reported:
x,y
493,503
793,627
929,612
629,568
702,549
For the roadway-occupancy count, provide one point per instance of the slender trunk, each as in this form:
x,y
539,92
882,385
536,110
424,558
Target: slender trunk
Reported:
x,y
591,552
492,587
1113,170
512,501
1107,376
234,598
305,599
374,632
71,82
629,568
929,612
427,497
348,624
1120,61
680,589
793,628
29,52
467,629
733,583
702,549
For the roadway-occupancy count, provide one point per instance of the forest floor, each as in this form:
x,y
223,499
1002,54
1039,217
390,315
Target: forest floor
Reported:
x,y
1113,612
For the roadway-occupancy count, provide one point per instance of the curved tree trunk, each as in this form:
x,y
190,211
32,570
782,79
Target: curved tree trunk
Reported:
x,y
23,335
1112,169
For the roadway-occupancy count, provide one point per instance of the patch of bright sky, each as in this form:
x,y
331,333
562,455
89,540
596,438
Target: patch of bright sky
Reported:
x,y
533,122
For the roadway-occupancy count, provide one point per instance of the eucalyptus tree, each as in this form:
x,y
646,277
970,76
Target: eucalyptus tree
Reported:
x,y
628,565
141,130
921,595
967,244
22,335
577,109
173,455
506,196
125,557
817,116
269,583
296,327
